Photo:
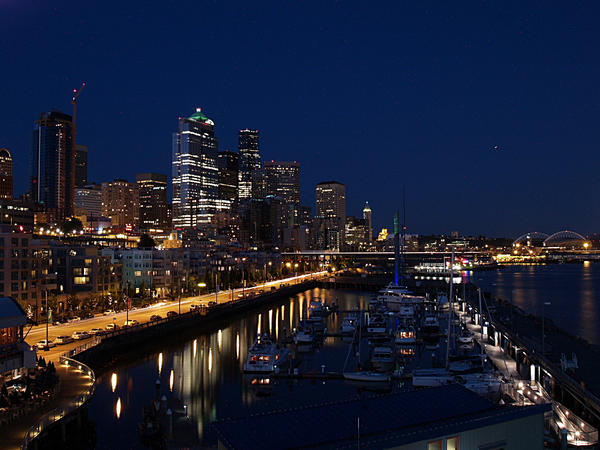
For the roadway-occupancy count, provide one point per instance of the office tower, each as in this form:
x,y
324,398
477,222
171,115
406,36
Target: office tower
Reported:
x,y
6,176
228,164
88,201
195,173
331,212
120,203
152,194
283,180
356,233
53,165
368,216
249,162
81,165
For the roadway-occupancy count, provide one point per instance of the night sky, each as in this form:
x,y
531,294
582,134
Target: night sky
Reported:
x,y
376,95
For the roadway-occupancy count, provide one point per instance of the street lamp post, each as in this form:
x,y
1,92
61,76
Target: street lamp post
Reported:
x,y
127,305
47,319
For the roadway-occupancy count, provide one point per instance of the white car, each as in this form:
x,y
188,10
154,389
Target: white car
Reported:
x,y
80,335
130,323
63,340
108,312
95,331
44,344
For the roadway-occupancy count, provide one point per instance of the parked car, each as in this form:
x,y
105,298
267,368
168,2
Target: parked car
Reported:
x,y
77,335
130,323
75,319
171,314
108,312
95,331
155,317
112,326
60,340
43,344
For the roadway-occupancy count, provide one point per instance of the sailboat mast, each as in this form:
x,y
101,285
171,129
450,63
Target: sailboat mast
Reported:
x,y
450,306
396,248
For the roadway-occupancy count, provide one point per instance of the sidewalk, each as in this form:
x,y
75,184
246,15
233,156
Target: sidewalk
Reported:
x,y
72,384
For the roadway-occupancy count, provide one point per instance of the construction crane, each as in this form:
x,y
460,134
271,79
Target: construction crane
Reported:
x,y
76,94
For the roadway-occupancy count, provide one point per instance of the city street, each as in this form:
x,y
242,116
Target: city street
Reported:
x,y
38,333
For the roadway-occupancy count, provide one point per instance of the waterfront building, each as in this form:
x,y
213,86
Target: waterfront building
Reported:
x,y
331,210
229,168
25,270
16,356
368,216
152,193
250,163
195,173
282,179
53,165
120,203
81,165
88,201
448,417
6,174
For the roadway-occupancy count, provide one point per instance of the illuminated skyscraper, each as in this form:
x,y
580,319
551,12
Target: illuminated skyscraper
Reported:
x,y
53,164
152,193
368,216
228,163
249,162
283,180
195,172
6,176
331,213
120,203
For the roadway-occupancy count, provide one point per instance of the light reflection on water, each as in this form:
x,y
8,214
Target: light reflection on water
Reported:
x,y
572,289
205,373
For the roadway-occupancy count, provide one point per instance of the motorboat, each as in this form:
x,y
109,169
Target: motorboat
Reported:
x,y
406,336
265,356
376,324
367,376
465,337
305,333
316,308
349,324
431,325
485,384
406,313
382,358
394,296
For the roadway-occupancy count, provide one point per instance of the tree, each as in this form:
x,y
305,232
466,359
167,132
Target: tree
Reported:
x,y
146,242
72,224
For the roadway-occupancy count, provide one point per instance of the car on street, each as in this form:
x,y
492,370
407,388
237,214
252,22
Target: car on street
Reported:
x,y
130,323
194,307
78,335
112,326
155,317
60,340
171,314
43,344
95,331
108,312
74,319
212,303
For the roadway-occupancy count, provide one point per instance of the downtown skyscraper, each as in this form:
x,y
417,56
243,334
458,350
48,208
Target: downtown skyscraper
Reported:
x,y
250,166
282,179
53,165
195,172
152,194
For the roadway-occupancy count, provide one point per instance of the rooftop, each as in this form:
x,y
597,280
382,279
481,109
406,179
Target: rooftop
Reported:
x,y
398,418
11,313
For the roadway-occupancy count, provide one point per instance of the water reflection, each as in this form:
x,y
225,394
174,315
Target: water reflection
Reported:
x,y
118,408
160,362
113,381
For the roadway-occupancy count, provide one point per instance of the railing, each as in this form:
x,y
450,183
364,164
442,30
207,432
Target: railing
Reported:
x,y
58,413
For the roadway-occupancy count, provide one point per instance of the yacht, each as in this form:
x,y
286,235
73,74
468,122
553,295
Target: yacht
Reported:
x,y
376,324
265,356
367,376
349,324
406,336
382,358
394,296
465,337
305,333
315,308
431,326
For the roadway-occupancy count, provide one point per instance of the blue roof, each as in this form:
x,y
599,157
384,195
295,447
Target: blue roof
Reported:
x,y
11,313
397,419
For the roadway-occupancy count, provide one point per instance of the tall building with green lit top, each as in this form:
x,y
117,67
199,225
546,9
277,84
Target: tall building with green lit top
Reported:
x,y
195,174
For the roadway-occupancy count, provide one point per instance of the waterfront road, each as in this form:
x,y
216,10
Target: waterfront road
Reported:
x,y
38,333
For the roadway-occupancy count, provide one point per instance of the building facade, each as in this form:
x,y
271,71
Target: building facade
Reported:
x,y
6,175
81,165
195,173
229,168
88,201
152,192
282,179
120,203
248,146
331,212
368,216
53,165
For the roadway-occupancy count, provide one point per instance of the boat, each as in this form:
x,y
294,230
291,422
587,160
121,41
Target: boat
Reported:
x,y
465,364
431,325
485,384
432,377
349,324
367,376
265,356
465,337
305,333
315,308
395,296
382,358
406,336
376,324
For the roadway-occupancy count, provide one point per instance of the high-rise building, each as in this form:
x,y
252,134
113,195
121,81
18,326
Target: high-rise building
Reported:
x,y
88,201
283,180
6,176
81,165
368,216
120,203
195,173
331,210
152,194
356,233
249,161
53,164
228,164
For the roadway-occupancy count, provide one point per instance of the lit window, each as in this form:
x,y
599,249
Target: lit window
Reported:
x,y
435,445
452,443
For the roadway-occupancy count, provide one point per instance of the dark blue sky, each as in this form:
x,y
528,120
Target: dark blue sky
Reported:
x,y
374,94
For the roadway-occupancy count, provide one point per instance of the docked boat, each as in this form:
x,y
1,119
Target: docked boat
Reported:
x,y
349,324
376,324
432,377
431,325
485,384
394,296
265,356
406,336
316,308
465,364
367,376
465,337
382,358
305,333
